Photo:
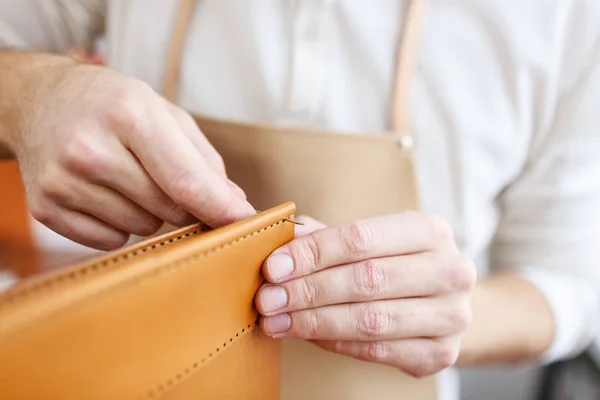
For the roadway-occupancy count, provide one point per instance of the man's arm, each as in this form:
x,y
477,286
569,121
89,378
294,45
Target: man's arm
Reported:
x,y
545,300
20,73
39,25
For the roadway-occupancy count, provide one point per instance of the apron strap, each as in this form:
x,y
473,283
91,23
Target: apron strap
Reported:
x,y
408,46
406,55
183,16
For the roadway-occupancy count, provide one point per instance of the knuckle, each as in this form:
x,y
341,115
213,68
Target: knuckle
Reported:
x,y
179,113
309,252
438,227
147,225
84,155
339,346
313,324
184,118
176,215
49,186
190,190
224,207
435,357
310,292
444,356
460,273
115,241
418,366
459,317
186,187
370,278
376,351
42,214
125,110
374,321
418,371
218,161
356,237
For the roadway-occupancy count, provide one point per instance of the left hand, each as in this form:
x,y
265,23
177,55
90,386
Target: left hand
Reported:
x,y
393,290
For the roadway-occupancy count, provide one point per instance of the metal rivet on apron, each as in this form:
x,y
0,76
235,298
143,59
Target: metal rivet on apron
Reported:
x,y
404,142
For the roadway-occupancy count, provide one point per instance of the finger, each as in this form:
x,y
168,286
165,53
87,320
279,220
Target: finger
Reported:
x,y
109,206
189,127
238,190
418,357
177,167
309,225
403,233
416,275
109,164
82,228
378,320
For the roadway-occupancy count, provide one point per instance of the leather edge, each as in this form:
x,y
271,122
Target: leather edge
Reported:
x,y
34,301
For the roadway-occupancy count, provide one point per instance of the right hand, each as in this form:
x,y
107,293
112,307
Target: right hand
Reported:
x,y
103,156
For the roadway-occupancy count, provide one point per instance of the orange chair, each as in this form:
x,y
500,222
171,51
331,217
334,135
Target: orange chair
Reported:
x,y
17,249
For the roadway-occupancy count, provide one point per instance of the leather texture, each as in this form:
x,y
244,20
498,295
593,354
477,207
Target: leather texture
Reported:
x,y
171,318
333,178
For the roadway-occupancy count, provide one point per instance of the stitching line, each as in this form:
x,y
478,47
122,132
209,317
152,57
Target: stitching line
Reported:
x,y
162,387
172,267
79,273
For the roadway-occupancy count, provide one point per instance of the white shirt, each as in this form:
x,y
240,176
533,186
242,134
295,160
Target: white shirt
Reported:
x,y
505,107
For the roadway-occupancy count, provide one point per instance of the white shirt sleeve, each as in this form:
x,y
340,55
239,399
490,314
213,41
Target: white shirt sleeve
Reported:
x,y
50,25
550,226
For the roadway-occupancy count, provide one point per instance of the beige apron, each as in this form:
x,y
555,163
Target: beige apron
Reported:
x,y
333,177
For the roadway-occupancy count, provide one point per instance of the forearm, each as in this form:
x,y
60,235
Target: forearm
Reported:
x,y
512,322
20,74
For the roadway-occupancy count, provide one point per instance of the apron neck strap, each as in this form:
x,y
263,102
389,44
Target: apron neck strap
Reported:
x,y
183,16
406,55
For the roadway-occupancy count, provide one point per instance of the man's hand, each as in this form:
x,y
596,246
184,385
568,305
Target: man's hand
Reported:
x,y
103,156
393,290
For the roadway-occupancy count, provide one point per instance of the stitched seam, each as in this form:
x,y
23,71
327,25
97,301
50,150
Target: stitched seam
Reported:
x,y
162,387
79,273
168,268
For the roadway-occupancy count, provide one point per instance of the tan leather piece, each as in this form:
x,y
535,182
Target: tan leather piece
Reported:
x,y
260,374
406,59
152,321
331,177
333,376
183,16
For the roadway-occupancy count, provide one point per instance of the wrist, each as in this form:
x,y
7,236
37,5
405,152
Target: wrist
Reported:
x,y
23,77
512,322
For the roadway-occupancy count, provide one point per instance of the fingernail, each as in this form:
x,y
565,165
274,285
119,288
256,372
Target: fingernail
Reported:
x,y
238,190
273,298
277,324
279,266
